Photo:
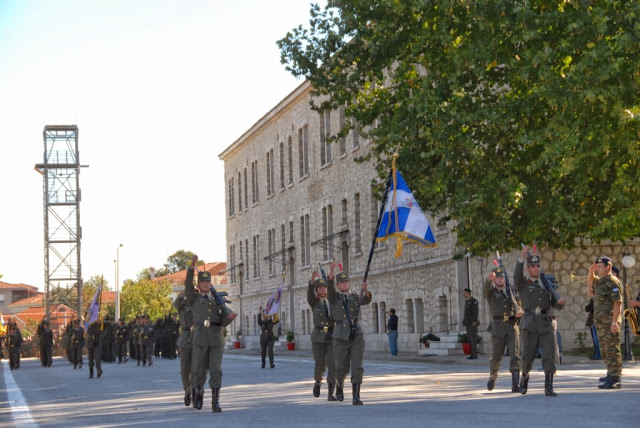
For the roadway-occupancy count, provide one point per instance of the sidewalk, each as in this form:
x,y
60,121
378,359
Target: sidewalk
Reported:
x,y
482,360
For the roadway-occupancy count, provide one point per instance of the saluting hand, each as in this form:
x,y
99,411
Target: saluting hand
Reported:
x,y
491,276
523,253
194,260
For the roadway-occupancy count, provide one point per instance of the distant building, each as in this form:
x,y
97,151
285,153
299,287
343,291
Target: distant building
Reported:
x,y
59,316
10,293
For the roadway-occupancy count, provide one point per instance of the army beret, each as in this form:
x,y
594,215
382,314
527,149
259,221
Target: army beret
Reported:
x,y
204,276
603,259
498,271
342,277
320,282
533,259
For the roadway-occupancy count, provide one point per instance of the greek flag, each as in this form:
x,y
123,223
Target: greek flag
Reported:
x,y
273,304
94,309
402,217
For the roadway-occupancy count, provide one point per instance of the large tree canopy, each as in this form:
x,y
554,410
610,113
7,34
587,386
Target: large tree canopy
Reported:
x,y
520,120
145,297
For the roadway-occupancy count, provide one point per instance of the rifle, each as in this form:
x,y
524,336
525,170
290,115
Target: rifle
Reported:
x,y
324,276
547,279
511,293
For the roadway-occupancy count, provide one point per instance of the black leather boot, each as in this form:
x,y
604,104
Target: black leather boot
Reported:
x,y
331,397
187,397
548,385
90,372
524,383
612,383
515,380
99,372
604,379
215,398
198,398
263,363
356,394
339,392
492,381
316,389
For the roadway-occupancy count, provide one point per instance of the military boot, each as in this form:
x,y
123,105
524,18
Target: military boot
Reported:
x,y
605,379
90,372
80,365
99,372
339,392
515,379
492,381
215,397
548,385
612,383
331,397
524,383
187,397
75,366
198,398
356,394
263,362
138,363
316,389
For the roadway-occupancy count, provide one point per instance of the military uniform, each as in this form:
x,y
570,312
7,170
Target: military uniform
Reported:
x,y
607,291
536,328
267,338
348,337
46,346
505,332
146,333
77,343
185,317
322,339
470,321
108,341
94,346
121,332
208,339
14,343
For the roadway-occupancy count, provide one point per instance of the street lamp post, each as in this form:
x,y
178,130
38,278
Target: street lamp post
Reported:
x,y
118,282
628,261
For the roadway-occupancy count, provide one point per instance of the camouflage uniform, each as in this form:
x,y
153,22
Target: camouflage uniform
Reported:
x,y
608,290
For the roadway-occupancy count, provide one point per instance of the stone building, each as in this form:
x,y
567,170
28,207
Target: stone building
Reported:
x,y
294,200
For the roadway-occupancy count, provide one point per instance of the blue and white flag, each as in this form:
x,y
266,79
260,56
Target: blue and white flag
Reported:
x,y
273,304
94,309
403,218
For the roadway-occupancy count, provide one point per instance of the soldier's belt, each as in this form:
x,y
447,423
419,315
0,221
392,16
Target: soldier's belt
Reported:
x,y
503,318
542,311
207,323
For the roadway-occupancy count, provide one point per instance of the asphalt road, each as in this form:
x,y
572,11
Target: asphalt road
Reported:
x,y
399,392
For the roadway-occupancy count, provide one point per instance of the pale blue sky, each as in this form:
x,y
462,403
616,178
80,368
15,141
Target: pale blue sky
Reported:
x,y
158,89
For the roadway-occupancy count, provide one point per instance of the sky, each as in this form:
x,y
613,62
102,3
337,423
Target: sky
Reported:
x,y
158,89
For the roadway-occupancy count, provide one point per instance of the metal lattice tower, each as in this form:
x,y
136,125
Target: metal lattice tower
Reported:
x,y
61,196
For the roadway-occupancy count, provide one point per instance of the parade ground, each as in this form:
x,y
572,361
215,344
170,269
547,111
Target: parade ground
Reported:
x,y
403,391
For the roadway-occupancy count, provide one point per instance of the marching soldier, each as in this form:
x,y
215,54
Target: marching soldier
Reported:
x,y
606,291
185,316
77,343
209,317
14,343
470,321
536,329
108,340
505,332
121,331
46,345
348,343
94,346
146,333
135,332
322,335
267,338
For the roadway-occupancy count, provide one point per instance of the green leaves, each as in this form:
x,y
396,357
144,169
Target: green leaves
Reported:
x,y
521,113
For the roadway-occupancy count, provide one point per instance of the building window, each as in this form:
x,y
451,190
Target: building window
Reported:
x,y
374,310
303,150
305,248
355,132
343,209
239,192
246,261
291,232
325,135
343,138
232,264
272,249
246,192
327,230
256,256
254,182
290,159
270,173
283,237
375,213
358,232
231,197
282,165
409,317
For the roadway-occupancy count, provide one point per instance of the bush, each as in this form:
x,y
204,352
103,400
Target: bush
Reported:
x,y
291,336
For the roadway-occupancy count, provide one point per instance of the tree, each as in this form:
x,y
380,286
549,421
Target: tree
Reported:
x,y
145,297
519,120
176,262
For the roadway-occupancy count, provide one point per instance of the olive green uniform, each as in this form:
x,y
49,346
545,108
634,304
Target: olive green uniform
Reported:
x,y
322,339
267,338
607,291
121,333
185,317
77,343
505,332
208,339
348,347
470,321
147,338
535,328
94,346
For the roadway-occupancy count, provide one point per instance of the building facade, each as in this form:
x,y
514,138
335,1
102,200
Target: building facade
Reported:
x,y
294,200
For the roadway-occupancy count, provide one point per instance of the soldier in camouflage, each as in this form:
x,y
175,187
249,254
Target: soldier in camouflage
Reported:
x,y
606,291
